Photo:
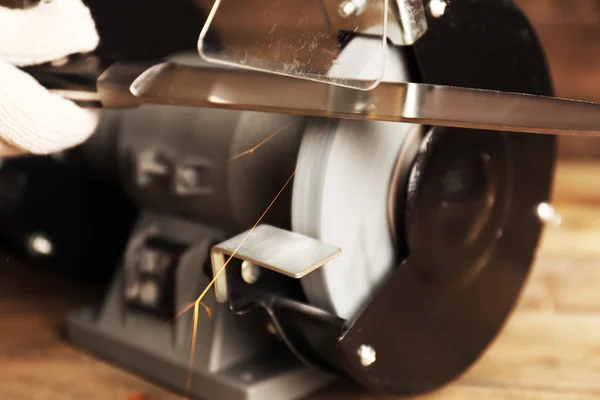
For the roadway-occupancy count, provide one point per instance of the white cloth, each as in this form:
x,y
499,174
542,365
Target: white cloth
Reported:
x,y
32,120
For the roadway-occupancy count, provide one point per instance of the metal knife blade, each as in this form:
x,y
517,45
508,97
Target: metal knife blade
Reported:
x,y
126,85
399,102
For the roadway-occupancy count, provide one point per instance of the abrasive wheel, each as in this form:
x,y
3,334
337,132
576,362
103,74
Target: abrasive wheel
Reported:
x,y
343,193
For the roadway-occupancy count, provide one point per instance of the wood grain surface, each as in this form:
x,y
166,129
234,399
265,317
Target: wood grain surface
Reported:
x,y
550,349
570,34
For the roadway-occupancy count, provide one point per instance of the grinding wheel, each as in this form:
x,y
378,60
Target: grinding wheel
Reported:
x,y
342,192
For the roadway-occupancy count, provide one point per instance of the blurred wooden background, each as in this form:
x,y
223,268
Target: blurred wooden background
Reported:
x,y
570,33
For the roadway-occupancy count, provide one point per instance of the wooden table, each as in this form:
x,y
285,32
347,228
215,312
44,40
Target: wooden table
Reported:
x,y
550,349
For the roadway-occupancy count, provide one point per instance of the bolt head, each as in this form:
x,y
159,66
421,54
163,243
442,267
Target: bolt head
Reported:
x,y
39,245
437,8
367,355
250,272
548,215
347,8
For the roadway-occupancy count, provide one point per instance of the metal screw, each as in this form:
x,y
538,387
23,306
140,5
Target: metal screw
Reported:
x,y
437,8
548,215
367,355
40,245
352,7
250,272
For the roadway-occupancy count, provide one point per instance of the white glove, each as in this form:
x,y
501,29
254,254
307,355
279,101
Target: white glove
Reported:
x,y
33,120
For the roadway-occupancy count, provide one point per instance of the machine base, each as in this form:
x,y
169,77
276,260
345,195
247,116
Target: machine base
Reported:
x,y
269,376
236,357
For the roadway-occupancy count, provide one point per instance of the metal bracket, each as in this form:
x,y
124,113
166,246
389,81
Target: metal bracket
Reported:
x,y
279,250
406,19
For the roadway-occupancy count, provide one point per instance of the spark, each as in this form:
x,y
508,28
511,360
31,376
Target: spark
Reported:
x,y
250,151
184,310
198,301
193,348
191,305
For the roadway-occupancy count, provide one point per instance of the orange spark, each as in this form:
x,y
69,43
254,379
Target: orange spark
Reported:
x,y
183,310
207,309
219,272
189,307
188,382
250,151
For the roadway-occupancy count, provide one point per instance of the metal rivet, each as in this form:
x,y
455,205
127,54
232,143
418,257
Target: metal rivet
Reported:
x,y
351,7
367,355
548,215
437,8
250,272
40,245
